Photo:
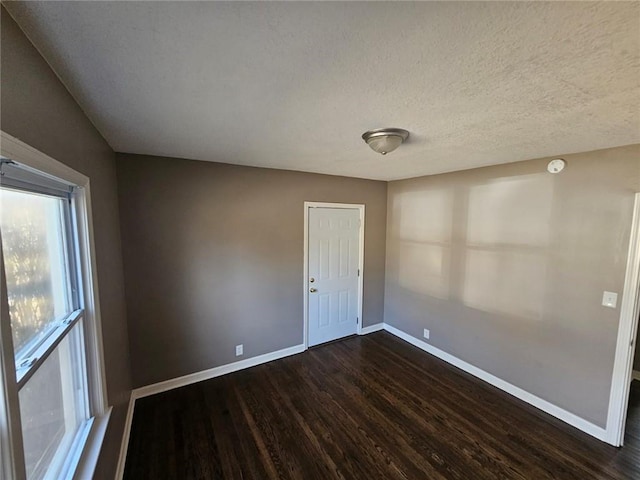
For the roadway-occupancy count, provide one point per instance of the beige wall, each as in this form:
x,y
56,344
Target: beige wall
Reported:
x,y
506,266
213,257
37,109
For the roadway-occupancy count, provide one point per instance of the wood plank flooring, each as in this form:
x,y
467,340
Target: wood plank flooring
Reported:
x,y
371,407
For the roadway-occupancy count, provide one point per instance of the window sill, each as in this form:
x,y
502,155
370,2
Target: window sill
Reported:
x,y
90,450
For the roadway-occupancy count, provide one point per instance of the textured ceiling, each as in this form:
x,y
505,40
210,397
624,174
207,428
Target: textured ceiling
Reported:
x,y
294,85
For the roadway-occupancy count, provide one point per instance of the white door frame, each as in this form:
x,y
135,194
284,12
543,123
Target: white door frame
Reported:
x,y
628,325
307,206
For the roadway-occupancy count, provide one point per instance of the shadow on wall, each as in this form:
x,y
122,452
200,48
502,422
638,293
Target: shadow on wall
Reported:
x,y
495,261
506,267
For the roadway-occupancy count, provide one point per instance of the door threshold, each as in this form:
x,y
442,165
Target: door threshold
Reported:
x,y
355,335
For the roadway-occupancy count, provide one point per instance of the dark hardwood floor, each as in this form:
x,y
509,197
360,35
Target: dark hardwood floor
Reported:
x,y
371,407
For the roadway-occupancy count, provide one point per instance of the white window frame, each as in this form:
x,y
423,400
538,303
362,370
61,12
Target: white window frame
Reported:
x,y
83,458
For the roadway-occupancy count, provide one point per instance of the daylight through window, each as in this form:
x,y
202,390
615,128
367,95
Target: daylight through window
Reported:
x,y
40,254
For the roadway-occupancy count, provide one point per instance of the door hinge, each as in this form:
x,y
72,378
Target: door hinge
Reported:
x,y
357,320
358,272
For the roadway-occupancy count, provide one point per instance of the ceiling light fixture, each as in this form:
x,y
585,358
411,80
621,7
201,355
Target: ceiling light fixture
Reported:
x,y
385,140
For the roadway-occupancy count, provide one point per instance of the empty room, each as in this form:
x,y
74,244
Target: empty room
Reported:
x,y
319,240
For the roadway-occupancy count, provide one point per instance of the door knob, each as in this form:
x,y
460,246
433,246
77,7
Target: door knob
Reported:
x,y
313,290
312,280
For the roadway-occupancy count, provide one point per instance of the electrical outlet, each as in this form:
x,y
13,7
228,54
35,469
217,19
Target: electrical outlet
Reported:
x,y
426,333
239,350
609,299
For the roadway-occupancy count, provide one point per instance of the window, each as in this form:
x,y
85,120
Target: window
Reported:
x,y
55,388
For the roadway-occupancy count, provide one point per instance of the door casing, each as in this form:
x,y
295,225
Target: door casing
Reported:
x,y
625,345
307,207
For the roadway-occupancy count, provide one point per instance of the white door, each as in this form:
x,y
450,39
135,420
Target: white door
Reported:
x,y
334,241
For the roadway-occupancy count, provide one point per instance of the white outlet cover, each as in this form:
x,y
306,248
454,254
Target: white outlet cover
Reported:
x,y
426,333
610,299
239,350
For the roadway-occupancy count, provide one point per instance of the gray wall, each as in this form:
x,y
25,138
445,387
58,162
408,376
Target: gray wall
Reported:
x,y
506,266
213,257
636,358
37,109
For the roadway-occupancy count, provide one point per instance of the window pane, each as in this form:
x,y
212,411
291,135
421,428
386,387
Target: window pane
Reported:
x,y
53,407
36,264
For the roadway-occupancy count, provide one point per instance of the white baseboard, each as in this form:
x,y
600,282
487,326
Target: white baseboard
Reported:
x,y
372,328
567,417
124,446
188,380
215,372
201,376
636,375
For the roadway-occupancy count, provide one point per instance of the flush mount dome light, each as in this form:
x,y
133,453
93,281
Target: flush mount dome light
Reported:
x,y
385,140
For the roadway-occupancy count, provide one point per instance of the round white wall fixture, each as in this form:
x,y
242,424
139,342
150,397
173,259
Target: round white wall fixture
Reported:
x,y
556,166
